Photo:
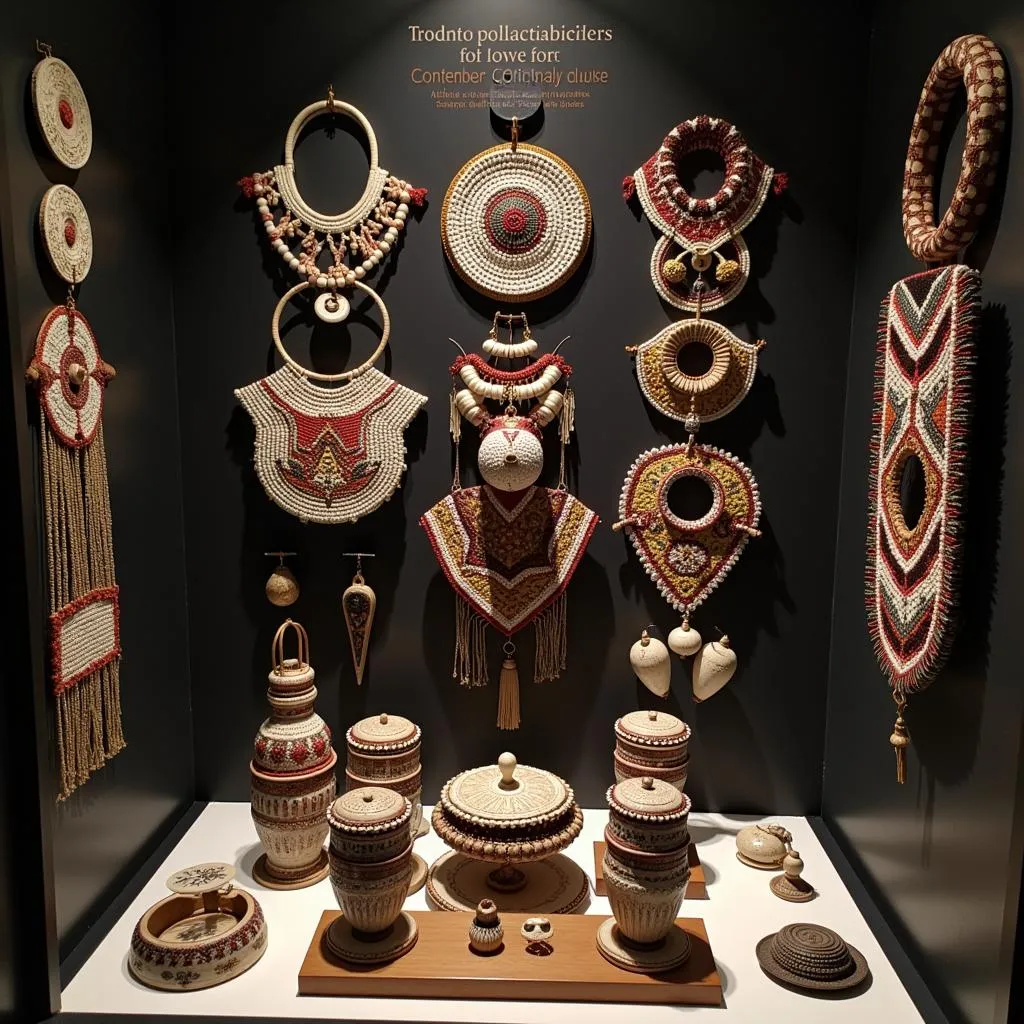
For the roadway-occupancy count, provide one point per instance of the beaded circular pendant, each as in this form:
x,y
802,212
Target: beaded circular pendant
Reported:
x,y
67,234
515,223
62,112
688,558
706,393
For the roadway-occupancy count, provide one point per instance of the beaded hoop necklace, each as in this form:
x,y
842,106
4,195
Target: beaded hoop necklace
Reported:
x,y
923,399
330,454
367,231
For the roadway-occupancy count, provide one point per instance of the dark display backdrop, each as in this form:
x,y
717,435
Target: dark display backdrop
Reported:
x,y
237,84
946,846
104,831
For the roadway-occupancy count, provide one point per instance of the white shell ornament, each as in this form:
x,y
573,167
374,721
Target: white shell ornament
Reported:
x,y
62,112
510,457
684,641
652,664
713,667
66,233
331,308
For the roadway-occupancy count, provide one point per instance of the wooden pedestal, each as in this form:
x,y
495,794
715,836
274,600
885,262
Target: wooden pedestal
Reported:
x,y
442,966
696,889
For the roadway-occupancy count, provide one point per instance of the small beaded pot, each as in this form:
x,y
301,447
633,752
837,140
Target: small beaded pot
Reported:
x,y
652,743
384,750
371,865
292,773
649,815
485,930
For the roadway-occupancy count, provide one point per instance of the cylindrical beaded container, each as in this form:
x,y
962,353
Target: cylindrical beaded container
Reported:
x,y
292,773
371,864
646,870
652,743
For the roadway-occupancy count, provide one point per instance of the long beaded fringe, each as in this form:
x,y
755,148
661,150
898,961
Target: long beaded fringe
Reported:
x,y
80,558
550,631
470,663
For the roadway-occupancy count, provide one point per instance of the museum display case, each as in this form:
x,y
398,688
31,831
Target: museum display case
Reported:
x,y
624,396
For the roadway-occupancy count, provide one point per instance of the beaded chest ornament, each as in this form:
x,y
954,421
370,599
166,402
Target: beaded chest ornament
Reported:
x,y
701,231
330,454
515,223
509,548
70,378
366,232
923,385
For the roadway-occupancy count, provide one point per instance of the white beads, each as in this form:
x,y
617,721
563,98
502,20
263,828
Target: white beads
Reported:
x,y
321,281
293,263
360,272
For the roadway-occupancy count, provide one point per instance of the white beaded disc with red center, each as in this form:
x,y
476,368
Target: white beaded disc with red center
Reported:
x,y
62,112
67,234
515,224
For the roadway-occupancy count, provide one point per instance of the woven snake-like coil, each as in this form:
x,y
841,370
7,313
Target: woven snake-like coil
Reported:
x,y
976,61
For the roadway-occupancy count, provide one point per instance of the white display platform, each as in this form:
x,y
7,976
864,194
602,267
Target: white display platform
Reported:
x,y
739,911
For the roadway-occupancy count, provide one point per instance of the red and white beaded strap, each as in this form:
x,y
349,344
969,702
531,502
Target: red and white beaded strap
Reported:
x,y
976,61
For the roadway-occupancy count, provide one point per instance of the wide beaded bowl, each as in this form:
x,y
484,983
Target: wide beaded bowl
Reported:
x,y
519,818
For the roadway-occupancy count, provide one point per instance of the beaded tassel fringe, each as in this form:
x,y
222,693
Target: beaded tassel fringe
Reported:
x,y
551,633
80,559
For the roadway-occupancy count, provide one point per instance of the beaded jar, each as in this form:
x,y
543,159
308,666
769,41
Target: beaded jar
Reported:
x,y
652,743
292,772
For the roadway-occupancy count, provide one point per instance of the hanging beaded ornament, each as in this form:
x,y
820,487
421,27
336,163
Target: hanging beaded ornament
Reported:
x,y
508,548
515,223
367,231
330,454
699,229
695,398
924,389
689,558
66,233
70,377
62,111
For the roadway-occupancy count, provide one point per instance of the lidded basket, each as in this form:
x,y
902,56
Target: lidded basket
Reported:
x,y
652,743
647,815
369,824
384,750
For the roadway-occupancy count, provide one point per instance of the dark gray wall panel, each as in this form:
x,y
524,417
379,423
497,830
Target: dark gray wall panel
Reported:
x,y
942,852
758,745
104,831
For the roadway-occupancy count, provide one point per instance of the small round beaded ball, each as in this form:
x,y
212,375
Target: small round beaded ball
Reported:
x,y
510,457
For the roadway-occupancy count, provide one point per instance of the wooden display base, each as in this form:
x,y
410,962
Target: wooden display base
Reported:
x,y
696,889
442,966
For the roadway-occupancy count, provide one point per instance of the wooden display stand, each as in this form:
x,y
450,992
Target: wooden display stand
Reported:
x,y
696,889
442,966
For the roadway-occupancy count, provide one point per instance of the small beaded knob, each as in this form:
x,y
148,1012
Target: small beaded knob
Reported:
x,y
647,782
652,716
383,718
792,865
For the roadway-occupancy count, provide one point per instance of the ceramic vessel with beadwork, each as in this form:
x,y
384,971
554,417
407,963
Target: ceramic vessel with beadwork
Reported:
x,y
486,933
207,933
292,773
762,846
518,818
371,865
646,870
652,743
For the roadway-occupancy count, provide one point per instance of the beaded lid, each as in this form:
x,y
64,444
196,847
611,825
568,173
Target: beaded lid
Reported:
x,y
507,795
383,733
369,809
653,728
648,799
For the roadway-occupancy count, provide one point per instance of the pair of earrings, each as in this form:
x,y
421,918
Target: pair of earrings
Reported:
x,y
713,666
358,603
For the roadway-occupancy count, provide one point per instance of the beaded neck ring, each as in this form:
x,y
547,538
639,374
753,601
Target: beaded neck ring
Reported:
x,y
515,223
330,454
698,228
924,387
367,231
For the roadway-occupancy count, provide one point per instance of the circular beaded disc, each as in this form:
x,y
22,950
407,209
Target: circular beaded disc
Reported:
x,y
66,232
62,112
515,225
